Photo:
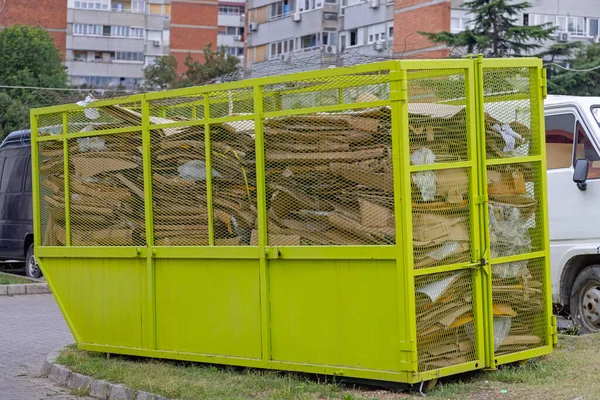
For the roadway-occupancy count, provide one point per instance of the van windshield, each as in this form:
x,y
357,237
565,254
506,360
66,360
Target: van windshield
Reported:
x,y
596,113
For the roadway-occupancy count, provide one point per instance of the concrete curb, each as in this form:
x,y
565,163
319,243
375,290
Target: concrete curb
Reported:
x,y
97,388
23,289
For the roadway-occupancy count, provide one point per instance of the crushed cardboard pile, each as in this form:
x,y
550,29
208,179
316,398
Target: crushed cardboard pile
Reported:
x,y
445,319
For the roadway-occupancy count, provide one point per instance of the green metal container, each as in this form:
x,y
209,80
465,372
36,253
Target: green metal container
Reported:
x,y
384,221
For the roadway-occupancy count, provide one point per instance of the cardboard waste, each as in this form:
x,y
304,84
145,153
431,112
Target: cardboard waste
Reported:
x,y
329,181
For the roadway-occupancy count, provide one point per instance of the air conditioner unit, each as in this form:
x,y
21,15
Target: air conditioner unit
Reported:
x,y
378,46
331,49
374,4
286,57
296,17
596,39
563,36
237,38
252,26
156,43
242,17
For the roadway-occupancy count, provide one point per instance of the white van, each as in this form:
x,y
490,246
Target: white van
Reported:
x,y
573,162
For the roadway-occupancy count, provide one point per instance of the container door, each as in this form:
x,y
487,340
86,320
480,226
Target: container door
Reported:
x,y
519,314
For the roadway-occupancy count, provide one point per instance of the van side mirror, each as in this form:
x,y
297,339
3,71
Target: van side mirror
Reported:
x,y
582,166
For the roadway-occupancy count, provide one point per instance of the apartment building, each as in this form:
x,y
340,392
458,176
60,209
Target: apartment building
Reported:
x,y
107,43
575,21
313,32
232,26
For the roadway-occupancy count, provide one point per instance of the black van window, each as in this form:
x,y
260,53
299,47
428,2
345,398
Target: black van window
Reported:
x,y
28,176
13,174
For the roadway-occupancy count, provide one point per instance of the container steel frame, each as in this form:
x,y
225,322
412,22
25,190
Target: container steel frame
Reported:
x,y
98,287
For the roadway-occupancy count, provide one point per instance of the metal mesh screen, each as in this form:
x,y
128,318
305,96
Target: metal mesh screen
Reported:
x,y
508,119
234,183
52,194
329,178
164,111
441,217
445,320
93,118
514,212
107,190
328,91
518,306
437,119
231,102
179,187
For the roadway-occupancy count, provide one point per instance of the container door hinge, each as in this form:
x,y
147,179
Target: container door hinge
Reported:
x,y
544,84
554,327
480,200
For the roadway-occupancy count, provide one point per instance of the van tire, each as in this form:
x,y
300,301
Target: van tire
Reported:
x,y
585,300
32,268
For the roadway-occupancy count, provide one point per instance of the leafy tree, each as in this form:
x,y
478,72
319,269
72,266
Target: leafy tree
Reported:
x,y
494,31
216,64
162,74
29,57
583,76
14,115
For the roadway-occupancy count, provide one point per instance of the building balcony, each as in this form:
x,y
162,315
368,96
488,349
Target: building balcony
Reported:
x,y
231,20
230,40
104,43
125,69
118,18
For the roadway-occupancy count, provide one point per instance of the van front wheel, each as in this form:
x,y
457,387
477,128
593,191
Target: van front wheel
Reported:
x,y
585,300
32,269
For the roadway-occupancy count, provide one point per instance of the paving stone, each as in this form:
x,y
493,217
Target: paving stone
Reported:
x,y
120,392
99,389
14,290
35,327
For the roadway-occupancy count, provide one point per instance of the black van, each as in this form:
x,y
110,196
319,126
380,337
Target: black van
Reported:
x,y
16,212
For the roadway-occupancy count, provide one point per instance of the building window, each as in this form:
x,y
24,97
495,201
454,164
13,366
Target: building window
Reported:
x,y
343,42
577,26
92,5
80,55
593,27
282,47
391,33
330,16
343,6
353,38
562,23
234,30
460,24
87,29
230,10
282,8
375,33
309,5
129,56
329,38
309,41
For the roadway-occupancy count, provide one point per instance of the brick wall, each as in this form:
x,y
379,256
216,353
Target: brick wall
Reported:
x,y
193,27
414,16
48,14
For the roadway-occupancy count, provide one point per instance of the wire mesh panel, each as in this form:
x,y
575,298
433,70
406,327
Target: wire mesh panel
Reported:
x,y
441,217
234,183
508,113
329,175
516,209
179,186
445,319
52,193
164,111
106,190
518,306
89,118
437,119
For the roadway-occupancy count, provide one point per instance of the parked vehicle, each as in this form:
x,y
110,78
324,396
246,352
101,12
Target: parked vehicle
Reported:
x,y
573,163
16,215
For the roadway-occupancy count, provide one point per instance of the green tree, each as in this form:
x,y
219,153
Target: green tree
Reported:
x,y
583,76
162,74
29,57
216,64
14,115
494,31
